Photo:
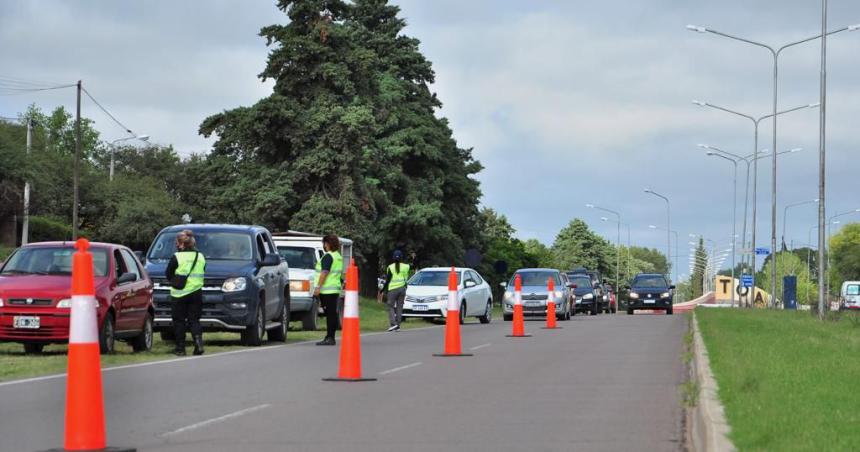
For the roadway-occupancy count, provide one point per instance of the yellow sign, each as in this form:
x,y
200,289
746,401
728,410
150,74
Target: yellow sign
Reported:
x,y
723,285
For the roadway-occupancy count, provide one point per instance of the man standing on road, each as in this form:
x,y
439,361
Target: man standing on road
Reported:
x,y
395,284
329,285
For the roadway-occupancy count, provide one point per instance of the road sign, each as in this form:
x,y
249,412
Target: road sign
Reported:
x,y
747,280
762,251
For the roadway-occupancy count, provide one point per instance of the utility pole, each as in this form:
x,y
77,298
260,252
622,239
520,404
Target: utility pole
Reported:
x,y
25,228
822,162
77,164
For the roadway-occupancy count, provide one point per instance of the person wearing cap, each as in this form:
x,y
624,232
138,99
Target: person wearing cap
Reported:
x,y
396,276
186,301
329,285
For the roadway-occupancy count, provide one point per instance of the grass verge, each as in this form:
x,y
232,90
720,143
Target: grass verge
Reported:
x,y
14,364
786,379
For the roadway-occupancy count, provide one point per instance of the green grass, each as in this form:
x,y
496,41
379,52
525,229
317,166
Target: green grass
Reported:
x,y
14,364
787,380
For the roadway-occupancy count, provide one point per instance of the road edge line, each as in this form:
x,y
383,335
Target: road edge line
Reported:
x,y
709,429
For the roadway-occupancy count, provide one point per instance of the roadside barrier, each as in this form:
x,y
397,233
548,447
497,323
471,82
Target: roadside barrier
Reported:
x,y
550,306
519,321
452,320
350,338
85,417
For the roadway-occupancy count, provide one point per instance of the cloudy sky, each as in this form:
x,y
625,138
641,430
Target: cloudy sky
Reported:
x,y
564,102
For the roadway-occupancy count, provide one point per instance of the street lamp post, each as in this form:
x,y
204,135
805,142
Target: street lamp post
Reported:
x,y
668,221
734,214
785,215
651,226
626,225
113,150
617,242
776,52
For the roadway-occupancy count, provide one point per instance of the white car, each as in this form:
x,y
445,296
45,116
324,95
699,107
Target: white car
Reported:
x,y
427,294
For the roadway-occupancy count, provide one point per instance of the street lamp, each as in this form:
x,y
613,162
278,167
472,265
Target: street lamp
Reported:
x,y
775,52
113,149
626,225
617,242
651,226
668,221
785,215
734,212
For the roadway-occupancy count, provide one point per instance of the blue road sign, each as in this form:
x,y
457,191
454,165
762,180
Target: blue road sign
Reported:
x,y
747,280
762,251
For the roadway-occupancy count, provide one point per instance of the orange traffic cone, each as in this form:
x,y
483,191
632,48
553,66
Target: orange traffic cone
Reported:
x,y
452,321
85,418
519,321
550,306
350,338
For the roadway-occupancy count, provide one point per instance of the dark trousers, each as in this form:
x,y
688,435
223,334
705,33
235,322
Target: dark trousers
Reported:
x,y
186,315
329,304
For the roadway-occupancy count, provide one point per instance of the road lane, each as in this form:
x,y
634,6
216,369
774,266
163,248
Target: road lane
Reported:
x,y
601,383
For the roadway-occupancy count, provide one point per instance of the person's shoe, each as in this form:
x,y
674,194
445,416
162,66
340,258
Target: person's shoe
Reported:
x,y
327,341
198,345
393,328
396,327
179,350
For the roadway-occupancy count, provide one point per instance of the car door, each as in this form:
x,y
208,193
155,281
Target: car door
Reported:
x,y
267,276
482,293
122,294
474,303
138,301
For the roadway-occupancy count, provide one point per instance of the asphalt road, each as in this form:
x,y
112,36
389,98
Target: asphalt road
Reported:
x,y
602,383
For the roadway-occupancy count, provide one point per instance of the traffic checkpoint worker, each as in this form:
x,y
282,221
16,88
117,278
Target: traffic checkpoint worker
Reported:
x,y
395,284
187,300
328,277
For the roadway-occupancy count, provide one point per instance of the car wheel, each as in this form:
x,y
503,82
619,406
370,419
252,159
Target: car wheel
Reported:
x,y
488,313
507,317
253,334
279,334
309,319
143,341
462,312
669,311
629,311
33,349
107,340
167,335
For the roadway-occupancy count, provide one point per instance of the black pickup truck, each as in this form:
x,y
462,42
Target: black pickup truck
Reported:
x,y
246,284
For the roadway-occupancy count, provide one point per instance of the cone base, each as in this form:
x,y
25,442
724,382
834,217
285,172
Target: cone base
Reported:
x,y
552,327
518,335
349,379
106,449
452,354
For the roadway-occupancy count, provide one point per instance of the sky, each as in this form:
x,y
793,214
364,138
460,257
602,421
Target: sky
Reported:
x,y
565,103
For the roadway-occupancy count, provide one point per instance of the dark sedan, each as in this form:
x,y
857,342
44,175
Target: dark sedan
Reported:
x,y
650,291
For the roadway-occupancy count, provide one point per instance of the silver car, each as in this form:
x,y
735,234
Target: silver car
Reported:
x,y
535,293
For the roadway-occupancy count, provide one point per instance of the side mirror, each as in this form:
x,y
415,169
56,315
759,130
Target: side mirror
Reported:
x,y
571,285
627,287
271,260
470,283
672,287
504,285
126,278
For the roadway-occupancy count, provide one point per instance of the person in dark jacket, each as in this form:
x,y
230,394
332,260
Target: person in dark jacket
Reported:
x,y
187,301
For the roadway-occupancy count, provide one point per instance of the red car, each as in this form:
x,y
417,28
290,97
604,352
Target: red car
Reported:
x,y
35,296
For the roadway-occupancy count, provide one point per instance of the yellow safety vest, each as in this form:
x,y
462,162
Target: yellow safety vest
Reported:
x,y
332,283
184,259
398,279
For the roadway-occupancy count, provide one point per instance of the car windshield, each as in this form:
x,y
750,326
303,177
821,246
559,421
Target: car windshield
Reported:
x,y
581,281
852,289
431,278
298,256
215,246
43,260
535,278
650,282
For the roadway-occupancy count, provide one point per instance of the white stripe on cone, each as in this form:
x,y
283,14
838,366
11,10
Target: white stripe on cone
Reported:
x,y
83,326
518,297
350,305
453,302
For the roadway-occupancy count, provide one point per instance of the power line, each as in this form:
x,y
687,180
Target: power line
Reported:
x,y
106,112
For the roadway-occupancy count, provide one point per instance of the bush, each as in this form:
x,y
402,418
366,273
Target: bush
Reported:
x,y
44,229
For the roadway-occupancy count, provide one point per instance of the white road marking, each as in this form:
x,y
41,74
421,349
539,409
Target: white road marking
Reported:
x,y
190,358
478,347
398,369
217,420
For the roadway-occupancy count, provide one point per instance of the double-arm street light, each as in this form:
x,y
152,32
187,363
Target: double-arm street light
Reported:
x,y
113,149
785,214
668,221
617,242
775,53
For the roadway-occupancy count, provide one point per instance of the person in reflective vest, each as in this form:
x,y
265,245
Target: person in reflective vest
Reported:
x,y
187,301
329,285
396,276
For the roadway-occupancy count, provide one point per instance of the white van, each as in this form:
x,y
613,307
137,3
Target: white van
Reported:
x,y
302,251
850,295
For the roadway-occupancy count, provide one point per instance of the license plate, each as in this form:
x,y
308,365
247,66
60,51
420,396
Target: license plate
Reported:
x,y
419,307
649,301
29,323
532,304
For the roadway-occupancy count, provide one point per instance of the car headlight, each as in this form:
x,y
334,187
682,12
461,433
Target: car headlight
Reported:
x,y
64,303
588,296
558,294
634,295
509,296
664,295
300,285
234,285
439,298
